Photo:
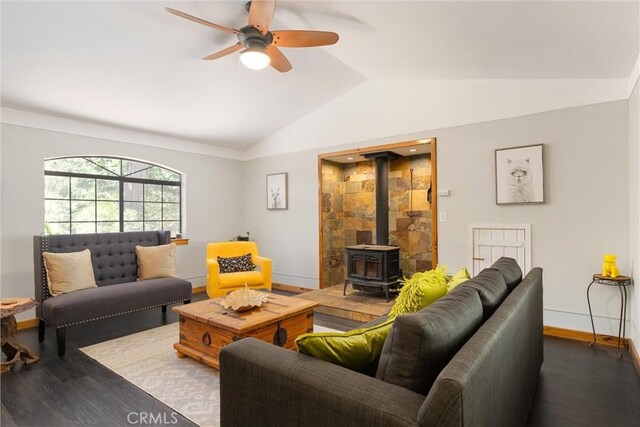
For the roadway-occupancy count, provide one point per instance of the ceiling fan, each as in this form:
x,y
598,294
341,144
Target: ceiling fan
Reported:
x,y
261,45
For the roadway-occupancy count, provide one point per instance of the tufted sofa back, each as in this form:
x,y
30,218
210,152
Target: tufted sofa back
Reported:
x,y
112,255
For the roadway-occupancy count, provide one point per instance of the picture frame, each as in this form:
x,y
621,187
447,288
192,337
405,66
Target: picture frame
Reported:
x,y
519,175
277,191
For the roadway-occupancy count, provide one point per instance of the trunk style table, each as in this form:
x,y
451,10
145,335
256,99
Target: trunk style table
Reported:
x,y
11,347
206,327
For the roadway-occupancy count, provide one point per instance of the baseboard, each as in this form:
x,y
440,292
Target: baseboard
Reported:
x,y
27,324
301,280
199,290
289,288
572,334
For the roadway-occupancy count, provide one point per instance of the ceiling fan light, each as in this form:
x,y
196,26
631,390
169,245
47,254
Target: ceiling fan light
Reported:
x,y
255,58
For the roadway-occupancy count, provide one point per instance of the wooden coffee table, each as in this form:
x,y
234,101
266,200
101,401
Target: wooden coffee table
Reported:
x,y
206,327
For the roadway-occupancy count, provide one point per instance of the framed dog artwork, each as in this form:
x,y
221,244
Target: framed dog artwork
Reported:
x,y
520,175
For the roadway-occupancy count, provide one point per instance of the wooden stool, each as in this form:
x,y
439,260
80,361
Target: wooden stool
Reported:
x,y
11,347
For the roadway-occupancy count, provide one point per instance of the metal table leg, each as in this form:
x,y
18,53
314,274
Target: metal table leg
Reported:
x,y
624,322
622,310
593,327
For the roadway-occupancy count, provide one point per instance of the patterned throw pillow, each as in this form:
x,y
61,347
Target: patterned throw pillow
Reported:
x,y
236,264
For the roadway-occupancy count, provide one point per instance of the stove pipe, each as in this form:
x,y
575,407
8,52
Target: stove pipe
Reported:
x,y
382,194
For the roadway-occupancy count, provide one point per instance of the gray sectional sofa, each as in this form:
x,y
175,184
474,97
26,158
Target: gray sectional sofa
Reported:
x,y
470,359
116,271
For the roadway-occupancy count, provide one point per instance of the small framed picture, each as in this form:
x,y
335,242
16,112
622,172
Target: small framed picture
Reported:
x,y
277,191
520,175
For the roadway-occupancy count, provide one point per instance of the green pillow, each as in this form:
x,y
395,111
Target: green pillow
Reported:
x,y
421,290
461,276
358,350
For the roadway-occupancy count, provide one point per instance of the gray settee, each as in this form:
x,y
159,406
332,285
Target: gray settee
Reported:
x,y
116,271
486,375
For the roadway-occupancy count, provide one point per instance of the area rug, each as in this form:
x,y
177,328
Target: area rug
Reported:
x,y
147,359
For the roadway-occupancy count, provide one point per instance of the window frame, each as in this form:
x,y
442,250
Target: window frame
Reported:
x,y
122,180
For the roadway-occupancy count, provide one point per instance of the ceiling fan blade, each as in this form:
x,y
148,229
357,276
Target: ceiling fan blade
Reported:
x,y
261,14
302,38
236,47
201,21
278,60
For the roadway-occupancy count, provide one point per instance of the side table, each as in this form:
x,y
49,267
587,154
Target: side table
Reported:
x,y
11,347
621,282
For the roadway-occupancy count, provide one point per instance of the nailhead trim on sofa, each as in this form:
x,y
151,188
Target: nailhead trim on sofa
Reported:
x,y
117,314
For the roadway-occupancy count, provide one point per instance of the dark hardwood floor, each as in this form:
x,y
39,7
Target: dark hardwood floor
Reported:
x,y
579,385
585,386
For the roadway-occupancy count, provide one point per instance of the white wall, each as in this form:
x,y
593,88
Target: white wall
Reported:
x,y
634,213
586,203
288,237
586,166
212,188
1,198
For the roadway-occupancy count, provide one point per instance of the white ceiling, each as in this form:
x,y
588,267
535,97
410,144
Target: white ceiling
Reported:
x,y
133,65
487,39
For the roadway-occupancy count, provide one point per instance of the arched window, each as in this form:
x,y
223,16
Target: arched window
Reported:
x,y
110,194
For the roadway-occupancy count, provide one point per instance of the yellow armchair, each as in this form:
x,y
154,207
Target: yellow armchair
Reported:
x,y
219,284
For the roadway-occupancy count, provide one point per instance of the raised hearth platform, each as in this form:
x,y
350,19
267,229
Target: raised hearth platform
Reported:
x,y
355,305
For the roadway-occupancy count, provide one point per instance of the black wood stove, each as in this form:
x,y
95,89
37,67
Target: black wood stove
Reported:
x,y
376,267
373,268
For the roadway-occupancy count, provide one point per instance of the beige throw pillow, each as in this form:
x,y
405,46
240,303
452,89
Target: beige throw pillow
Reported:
x,y
156,261
68,272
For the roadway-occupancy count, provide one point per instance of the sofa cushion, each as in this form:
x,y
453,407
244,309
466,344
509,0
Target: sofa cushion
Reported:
x,y
510,270
236,264
420,345
68,272
112,254
358,350
111,300
461,276
232,280
491,288
155,262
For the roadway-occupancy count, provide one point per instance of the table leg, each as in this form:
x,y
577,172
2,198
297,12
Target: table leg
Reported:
x,y
621,314
593,327
624,322
12,348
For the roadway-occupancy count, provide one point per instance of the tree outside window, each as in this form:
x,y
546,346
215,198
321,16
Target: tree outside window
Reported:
x,y
110,194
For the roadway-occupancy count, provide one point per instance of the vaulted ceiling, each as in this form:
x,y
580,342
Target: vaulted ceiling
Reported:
x,y
135,66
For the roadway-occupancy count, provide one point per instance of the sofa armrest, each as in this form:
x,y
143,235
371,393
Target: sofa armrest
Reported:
x,y
213,276
265,268
263,384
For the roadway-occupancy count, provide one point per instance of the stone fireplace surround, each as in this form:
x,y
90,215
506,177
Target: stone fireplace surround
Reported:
x,y
349,211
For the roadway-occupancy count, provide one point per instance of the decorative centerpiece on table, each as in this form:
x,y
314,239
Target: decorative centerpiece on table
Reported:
x,y
244,299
